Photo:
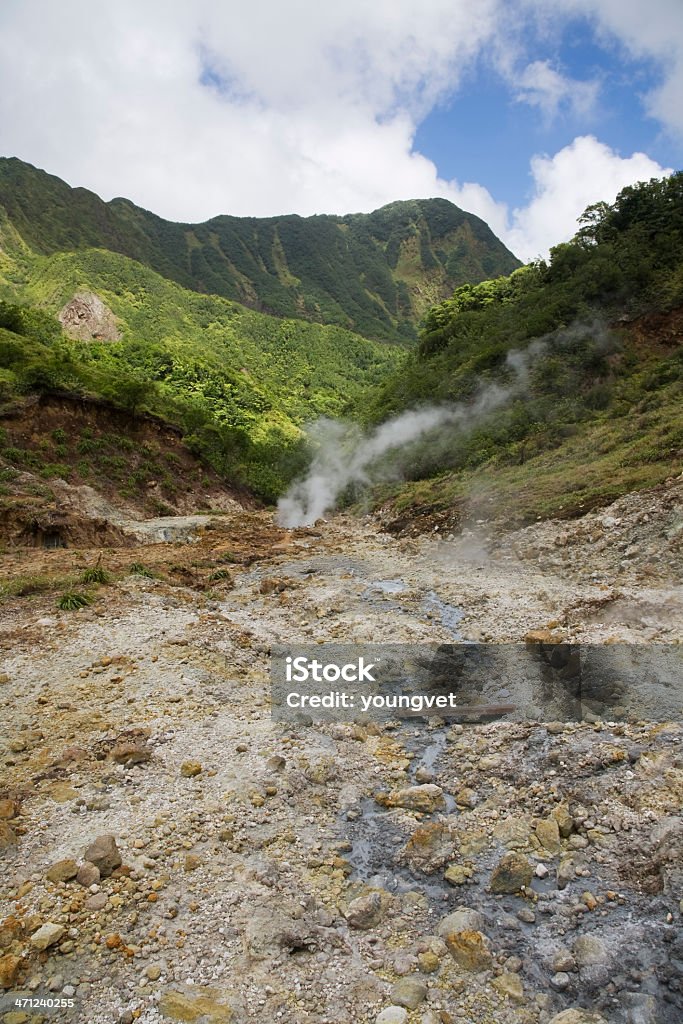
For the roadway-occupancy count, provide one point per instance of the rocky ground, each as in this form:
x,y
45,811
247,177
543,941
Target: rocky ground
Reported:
x,y
170,853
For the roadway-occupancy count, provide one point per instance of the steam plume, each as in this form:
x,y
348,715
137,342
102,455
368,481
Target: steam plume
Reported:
x,y
346,456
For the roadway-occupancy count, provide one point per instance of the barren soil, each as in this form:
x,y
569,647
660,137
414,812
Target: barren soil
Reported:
x,y
260,878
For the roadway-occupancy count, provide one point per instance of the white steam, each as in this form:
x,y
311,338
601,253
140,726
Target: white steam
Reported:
x,y
345,456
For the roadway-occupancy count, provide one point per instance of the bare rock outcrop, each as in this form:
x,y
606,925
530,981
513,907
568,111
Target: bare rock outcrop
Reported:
x,y
88,318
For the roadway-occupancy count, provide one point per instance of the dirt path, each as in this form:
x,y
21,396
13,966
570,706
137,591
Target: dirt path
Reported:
x,y
261,880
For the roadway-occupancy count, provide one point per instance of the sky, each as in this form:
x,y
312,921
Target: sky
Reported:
x,y
521,111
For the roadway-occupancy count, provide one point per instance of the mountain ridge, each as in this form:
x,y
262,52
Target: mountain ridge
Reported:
x,y
374,273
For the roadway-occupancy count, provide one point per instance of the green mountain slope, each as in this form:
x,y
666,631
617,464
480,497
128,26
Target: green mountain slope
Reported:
x,y
372,273
580,360
238,383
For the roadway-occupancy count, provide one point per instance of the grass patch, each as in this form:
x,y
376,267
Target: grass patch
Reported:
x,y
139,569
72,600
95,574
220,574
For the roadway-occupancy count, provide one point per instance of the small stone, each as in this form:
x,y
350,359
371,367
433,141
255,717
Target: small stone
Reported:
x,y
470,950
88,875
541,871
513,832
55,983
365,911
457,874
192,862
190,769
589,950
194,1007
128,753
96,902
104,854
47,935
8,809
577,1016
563,961
466,797
62,870
566,871
153,972
548,835
7,835
392,1015
9,970
544,636
512,873
11,930
425,798
408,992
428,962
460,920
565,822
560,981
509,985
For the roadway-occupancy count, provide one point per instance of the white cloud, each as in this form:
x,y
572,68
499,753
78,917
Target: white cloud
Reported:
x,y
582,173
647,30
197,108
313,107
542,86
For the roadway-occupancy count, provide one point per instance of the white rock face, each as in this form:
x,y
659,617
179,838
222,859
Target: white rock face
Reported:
x,y
88,318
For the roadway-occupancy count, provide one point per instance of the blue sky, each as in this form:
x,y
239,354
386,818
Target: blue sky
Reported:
x,y
485,133
521,111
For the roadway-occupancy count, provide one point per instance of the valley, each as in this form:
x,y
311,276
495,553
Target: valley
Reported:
x,y
477,459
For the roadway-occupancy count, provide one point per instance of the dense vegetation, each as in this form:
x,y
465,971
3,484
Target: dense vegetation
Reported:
x,y
581,353
371,273
238,383
586,367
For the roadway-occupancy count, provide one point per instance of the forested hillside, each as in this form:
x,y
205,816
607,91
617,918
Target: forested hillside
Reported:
x,y
375,273
588,351
238,383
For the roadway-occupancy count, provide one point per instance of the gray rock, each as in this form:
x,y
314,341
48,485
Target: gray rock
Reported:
x,y
563,960
392,1015
512,873
589,950
560,981
365,911
576,1015
88,875
104,854
47,935
566,871
96,902
409,992
461,919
